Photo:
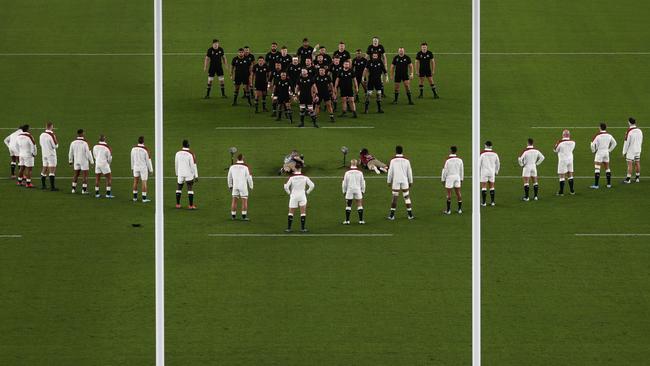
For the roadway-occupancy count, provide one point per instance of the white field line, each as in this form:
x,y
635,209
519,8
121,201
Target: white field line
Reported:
x,y
10,236
611,234
31,128
579,127
149,54
298,235
292,128
284,177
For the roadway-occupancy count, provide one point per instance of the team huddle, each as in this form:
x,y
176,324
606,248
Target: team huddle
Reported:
x,y
317,80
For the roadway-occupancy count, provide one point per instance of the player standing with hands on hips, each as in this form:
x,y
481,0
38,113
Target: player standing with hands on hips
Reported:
x,y
601,145
452,177
529,159
298,187
240,180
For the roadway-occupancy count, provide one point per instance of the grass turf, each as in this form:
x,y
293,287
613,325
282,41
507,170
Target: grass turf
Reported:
x,y
551,297
403,299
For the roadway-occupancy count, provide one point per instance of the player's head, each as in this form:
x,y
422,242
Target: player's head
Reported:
x,y
358,52
186,144
424,46
247,50
453,149
260,60
566,134
399,149
321,71
488,144
363,151
283,75
353,163
80,132
102,138
336,60
320,58
603,126
308,61
375,41
283,50
304,73
215,43
322,50
346,65
305,42
631,121
240,157
240,52
274,46
49,125
400,51
530,141
375,56
25,128
278,66
141,140
341,46
295,60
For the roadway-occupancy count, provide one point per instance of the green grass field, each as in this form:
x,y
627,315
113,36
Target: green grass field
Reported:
x,y
397,300
77,287
551,297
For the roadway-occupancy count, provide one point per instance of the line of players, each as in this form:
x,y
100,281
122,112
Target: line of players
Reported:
x,y
315,78
23,151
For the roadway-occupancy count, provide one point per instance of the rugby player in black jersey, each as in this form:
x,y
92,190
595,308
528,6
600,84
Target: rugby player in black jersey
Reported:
x,y
307,95
274,77
293,72
401,71
325,90
426,65
215,58
342,53
259,79
359,66
335,70
282,94
375,69
305,51
285,58
250,60
273,55
348,85
239,73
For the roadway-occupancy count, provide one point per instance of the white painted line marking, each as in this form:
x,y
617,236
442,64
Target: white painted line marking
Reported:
x,y
595,128
610,234
149,54
299,235
368,176
292,128
10,236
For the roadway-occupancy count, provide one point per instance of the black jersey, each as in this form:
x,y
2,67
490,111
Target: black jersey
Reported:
x,y
344,56
272,57
282,88
215,56
321,65
304,53
275,76
326,58
379,49
425,60
376,69
240,66
322,84
305,84
312,71
294,72
401,64
261,72
285,61
250,59
359,65
346,78
335,70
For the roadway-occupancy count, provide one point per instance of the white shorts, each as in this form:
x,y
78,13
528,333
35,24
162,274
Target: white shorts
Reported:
x,y
452,181
564,166
81,166
181,179
400,186
487,178
297,201
602,157
143,174
102,169
12,152
49,161
353,195
27,161
633,156
529,171
240,192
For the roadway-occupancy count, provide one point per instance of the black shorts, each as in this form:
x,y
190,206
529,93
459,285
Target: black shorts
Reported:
x,y
346,91
306,99
324,97
359,78
425,74
283,98
375,85
261,85
215,70
241,79
401,76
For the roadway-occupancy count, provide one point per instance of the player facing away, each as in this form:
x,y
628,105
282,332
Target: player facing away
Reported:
x,y
103,159
9,141
632,151
282,94
141,167
601,145
80,158
426,65
325,90
213,63
401,71
186,173
452,178
353,186
564,150
25,146
239,74
240,180
400,179
307,95
489,166
49,143
259,79
298,186
347,82
529,159
375,69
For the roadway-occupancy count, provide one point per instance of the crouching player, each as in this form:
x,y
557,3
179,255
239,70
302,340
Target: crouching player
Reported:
x,y
80,158
452,178
632,151
298,187
25,146
489,166
186,172
141,167
400,179
103,158
354,186
601,145
529,159
240,180
564,149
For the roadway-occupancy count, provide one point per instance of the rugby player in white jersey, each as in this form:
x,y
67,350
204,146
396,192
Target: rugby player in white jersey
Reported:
x,y
186,173
400,179
601,145
564,149
103,159
141,167
25,146
632,151
80,158
240,180
452,178
298,186
489,166
9,141
49,143
529,159
353,186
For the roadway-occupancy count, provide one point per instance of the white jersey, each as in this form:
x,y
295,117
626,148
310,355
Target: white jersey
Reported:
x,y
79,153
24,145
564,149
299,185
530,157
603,142
453,168
633,141
9,141
49,143
353,181
140,159
239,176
185,164
489,163
399,170
102,153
